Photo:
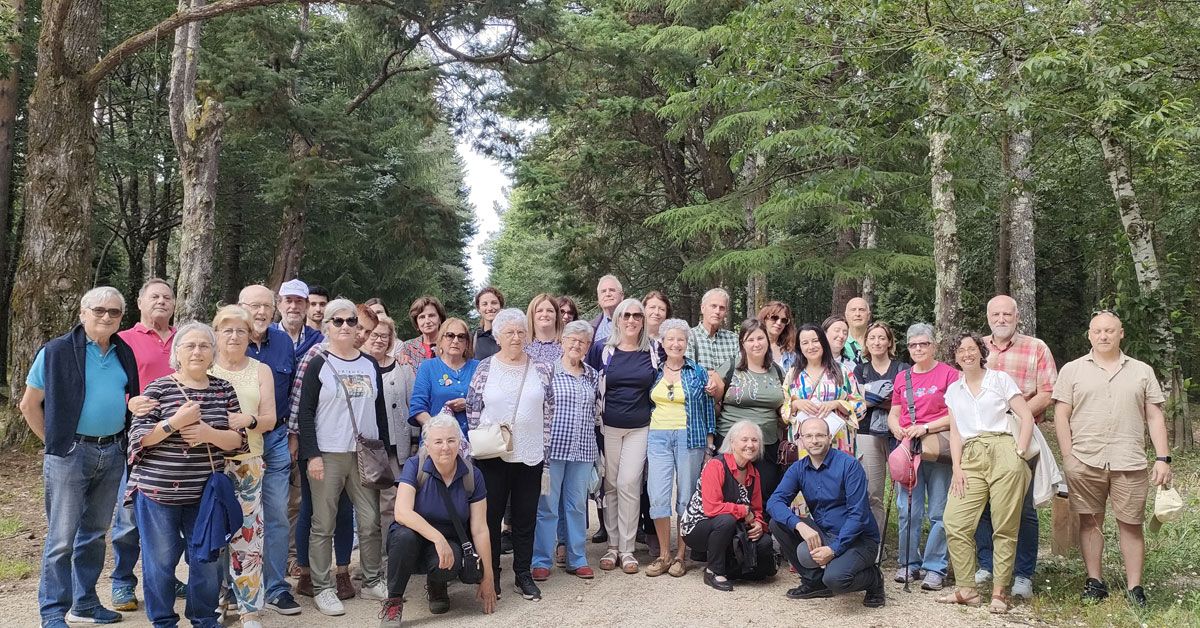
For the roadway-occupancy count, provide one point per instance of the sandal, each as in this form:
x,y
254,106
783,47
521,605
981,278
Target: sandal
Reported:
x,y
999,604
608,562
629,564
677,568
958,598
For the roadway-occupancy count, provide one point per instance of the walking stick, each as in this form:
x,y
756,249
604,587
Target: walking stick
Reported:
x,y
907,573
887,511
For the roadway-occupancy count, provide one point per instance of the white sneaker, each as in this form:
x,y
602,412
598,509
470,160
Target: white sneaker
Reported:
x,y
1022,587
328,603
251,623
377,592
982,576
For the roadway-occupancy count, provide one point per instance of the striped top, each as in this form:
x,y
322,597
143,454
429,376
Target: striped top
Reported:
x,y
171,472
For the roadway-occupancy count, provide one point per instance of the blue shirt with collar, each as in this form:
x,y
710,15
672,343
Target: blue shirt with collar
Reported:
x,y
836,493
103,412
309,338
277,352
429,503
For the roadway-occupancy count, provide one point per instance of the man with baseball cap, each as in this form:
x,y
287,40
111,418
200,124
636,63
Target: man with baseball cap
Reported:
x,y
293,310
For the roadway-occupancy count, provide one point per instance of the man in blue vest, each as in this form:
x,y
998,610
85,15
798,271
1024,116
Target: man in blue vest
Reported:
x,y
75,402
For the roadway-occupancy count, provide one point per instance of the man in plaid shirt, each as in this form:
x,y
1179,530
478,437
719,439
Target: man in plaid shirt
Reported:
x,y
1029,362
709,344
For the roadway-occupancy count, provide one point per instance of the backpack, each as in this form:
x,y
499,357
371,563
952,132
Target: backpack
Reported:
x,y
423,475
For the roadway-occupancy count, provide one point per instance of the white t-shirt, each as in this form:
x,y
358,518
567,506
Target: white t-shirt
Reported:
x,y
498,399
987,412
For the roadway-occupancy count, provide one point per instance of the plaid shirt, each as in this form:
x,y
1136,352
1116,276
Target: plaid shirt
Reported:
x,y
1027,360
541,370
711,352
697,405
576,415
297,382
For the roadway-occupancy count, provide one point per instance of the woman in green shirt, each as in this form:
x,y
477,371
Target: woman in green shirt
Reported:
x,y
754,392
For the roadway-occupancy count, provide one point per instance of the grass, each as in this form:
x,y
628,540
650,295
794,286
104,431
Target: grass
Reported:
x,y
10,526
15,569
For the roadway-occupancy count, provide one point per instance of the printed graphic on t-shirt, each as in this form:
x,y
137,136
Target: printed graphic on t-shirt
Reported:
x,y
357,385
925,390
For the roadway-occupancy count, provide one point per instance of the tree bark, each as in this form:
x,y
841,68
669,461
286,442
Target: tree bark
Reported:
x,y
948,289
289,247
844,288
1022,250
868,239
756,283
1001,285
10,96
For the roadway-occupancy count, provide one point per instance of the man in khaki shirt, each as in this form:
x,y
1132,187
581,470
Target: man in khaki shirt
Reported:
x,y
1105,401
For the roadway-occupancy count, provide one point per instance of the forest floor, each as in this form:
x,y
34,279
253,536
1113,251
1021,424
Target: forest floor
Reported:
x,y
612,598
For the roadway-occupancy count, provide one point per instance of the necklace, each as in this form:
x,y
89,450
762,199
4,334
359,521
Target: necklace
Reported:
x,y
673,370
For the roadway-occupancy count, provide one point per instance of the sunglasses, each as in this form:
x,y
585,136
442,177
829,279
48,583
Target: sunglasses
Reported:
x,y
451,336
775,318
636,316
339,321
670,392
111,312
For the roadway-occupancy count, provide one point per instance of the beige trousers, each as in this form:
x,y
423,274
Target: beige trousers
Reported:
x,y
624,464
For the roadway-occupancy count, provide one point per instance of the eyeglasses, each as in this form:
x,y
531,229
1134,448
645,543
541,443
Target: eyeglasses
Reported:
x,y
385,336
190,347
254,307
339,321
635,316
514,333
101,312
451,336
234,332
919,345
775,318
574,342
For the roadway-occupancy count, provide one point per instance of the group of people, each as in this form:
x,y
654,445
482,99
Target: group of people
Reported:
x,y
779,439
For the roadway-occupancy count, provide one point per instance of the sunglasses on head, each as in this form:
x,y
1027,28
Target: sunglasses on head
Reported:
x,y
339,321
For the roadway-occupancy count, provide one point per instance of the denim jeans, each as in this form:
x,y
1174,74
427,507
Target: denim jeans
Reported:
x,y
275,487
126,546
1027,539
80,491
929,498
165,532
568,494
670,464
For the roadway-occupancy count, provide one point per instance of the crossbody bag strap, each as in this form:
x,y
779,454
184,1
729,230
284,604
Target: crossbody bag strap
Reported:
x,y
520,390
186,398
345,392
452,512
908,395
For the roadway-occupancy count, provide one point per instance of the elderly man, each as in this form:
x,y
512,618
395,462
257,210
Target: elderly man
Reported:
x,y
273,347
709,343
609,294
293,310
318,298
832,547
1105,400
858,318
75,402
150,340
1031,365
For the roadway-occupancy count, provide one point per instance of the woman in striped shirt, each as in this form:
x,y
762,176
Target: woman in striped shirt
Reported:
x,y
173,448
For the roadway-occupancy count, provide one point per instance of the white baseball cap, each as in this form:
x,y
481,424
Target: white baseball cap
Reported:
x,y
294,288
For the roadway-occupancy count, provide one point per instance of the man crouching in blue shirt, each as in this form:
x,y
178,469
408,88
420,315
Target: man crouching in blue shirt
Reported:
x,y
834,550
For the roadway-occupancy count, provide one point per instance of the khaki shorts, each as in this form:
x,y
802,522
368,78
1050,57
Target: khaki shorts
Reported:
x,y
1091,487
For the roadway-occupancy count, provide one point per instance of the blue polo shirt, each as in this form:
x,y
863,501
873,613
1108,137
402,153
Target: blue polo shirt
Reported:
x,y
429,503
104,381
836,493
278,353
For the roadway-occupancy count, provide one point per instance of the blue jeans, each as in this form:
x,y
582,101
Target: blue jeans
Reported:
x,y
1027,539
80,490
670,463
933,486
165,532
568,494
343,532
126,547
276,527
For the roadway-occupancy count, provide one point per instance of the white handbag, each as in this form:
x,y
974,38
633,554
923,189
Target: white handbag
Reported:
x,y
1014,426
492,440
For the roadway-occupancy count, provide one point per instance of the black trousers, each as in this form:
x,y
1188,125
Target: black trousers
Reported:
x,y
521,485
853,570
716,535
410,553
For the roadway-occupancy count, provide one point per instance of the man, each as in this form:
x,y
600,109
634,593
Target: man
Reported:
x,y
75,402
858,318
1105,400
709,343
318,298
1029,362
834,547
293,309
273,347
150,340
609,294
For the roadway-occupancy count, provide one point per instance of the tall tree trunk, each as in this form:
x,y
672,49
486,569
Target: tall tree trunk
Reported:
x,y
948,289
1004,227
232,254
868,239
844,287
1021,245
196,131
10,96
756,283
289,246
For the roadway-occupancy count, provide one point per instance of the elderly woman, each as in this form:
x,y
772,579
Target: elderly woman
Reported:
x,y
567,309
658,309
728,504
819,387
776,318
255,388
425,538
838,330
341,396
512,389
562,510
923,387
488,302
628,364
173,448
682,426
443,381
426,315
753,391
989,468
397,389
875,377
545,327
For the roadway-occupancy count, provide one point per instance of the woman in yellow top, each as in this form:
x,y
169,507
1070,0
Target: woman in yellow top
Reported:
x,y
255,388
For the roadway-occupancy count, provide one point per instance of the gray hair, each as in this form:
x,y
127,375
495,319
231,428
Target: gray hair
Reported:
x,y
184,330
505,318
94,297
439,421
673,324
738,428
337,306
916,330
614,337
612,278
578,328
714,293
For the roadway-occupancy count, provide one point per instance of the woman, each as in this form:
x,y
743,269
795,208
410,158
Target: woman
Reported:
x,y
568,309
818,387
727,504
989,467
173,449
754,392
341,395
930,379
254,386
397,389
776,317
562,510
510,388
545,327
443,381
658,309
375,304
837,330
682,426
488,302
424,538
875,376
629,366
426,315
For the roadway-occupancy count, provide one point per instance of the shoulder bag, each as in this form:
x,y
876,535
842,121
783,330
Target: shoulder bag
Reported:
x,y
472,565
374,468
935,447
492,440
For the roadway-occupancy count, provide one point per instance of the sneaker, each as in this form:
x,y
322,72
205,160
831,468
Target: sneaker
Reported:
x,y
251,622
439,597
124,599
284,604
506,546
540,574
983,576
57,622
304,585
101,615
1022,587
809,591
328,603
1136,596
528,588
377,591
389,615
908,574
1093,591
180,590
345,587
876,596
933,581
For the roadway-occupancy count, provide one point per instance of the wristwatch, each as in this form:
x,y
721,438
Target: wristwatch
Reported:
x,y
166,425
253,422
1166,459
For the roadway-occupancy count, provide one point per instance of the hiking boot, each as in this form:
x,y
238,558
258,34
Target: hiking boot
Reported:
x,y
124,599
528,588
933,581
344,585
101,615
1136,597
1093,591
1022,587
809,591
389,614
304,585
876,596
439,597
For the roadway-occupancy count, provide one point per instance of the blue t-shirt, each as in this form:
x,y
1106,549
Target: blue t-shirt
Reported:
x,y
437,383
429,503
630,376
278,353
103,412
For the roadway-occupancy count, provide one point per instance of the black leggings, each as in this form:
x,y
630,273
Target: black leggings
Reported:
x,y
716,535
410,553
